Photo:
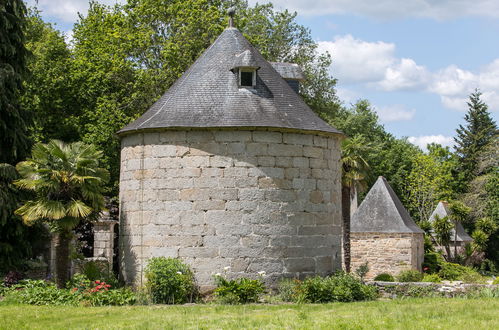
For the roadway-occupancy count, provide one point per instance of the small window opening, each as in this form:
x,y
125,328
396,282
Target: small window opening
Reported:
x,y
247,78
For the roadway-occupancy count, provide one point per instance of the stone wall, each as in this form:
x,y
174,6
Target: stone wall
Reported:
x,y
249,200
387,252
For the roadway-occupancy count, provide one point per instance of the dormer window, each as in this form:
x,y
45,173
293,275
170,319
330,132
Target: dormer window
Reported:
x,y
247,78
245,66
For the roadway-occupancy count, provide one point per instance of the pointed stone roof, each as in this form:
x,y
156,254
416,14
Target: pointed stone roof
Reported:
x,y
382,212
442,210
208,95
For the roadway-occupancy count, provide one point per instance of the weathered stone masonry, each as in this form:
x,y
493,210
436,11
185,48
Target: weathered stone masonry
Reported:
x,y
254,200
386,252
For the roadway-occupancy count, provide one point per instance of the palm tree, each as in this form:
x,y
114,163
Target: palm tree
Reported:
x,y
67,185
355,170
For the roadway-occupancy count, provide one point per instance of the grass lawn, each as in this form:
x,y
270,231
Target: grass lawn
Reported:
x,y
429,313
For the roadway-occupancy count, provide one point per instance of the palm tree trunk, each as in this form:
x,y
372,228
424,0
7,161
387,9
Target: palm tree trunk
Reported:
x,y
345,206
62,240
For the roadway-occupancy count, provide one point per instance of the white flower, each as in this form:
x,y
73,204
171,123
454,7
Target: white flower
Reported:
x,y
226,268
180,273
262,273
218,274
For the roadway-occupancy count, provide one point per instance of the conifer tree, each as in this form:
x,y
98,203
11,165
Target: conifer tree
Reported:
x,y
479,130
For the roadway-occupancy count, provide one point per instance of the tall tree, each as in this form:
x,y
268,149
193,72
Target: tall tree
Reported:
x,y
14,142
13,54
479,130
48,90
67,184
355,170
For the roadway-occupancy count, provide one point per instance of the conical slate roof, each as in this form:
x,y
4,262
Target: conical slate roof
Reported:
x,y
382,212
208,96
442,210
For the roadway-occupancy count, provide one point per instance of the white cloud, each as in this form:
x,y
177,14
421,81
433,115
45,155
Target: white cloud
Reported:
x,y
355,61
347,95
392,9
396,112
375,65
66,10
422,141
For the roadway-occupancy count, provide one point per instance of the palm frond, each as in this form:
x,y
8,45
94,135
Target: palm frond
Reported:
x,y
78,209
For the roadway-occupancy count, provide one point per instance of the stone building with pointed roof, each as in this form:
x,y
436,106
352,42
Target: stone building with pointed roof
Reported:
x,y
384,235
458,236
230,168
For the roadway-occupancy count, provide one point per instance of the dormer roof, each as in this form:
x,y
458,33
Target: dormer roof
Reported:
x,y
208,95
382,212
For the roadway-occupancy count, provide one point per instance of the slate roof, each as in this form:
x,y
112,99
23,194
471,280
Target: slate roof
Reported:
x,y
207,95
382,212
289,70
442,210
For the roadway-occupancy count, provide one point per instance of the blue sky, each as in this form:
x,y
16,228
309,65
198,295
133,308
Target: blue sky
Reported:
x,y
415,60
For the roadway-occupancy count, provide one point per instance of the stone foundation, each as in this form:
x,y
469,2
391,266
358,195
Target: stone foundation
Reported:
x,y
387,252
251,200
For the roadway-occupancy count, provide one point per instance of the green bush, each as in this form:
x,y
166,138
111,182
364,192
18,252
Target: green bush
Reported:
x,y
473,277
384,277
239,291
410,276
170,281
339,287
117,297
43,295
433,278
413,291
287,289
432,262
452,272
496,281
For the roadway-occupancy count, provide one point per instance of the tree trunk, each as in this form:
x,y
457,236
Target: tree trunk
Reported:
x,y
455,241
62,240
345,210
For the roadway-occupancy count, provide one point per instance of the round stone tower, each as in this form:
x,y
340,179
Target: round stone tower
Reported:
x,y
230,168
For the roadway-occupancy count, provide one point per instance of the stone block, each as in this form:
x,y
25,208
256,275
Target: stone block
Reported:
x,y
199,136
198,252
224,194
172,136
267,137
232,136
209,205
196,161
283,161
266,161
299,264
285,150
320,141
257,149
236,148
221,161
194,194
298,139
312,152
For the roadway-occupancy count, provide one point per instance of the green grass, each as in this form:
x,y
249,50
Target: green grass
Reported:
x,y
429,313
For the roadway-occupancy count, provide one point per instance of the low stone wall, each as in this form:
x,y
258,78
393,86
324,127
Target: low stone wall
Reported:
x,y
387,252
422,289
249,200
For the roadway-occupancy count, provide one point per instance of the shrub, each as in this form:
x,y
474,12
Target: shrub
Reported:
x,y
496,281
46,294
239,291
362,271
170,281
12,278
339,287
432,262
117,297
410,276
452,272
384,277
288,289
413,291
433,278
473,277
99,270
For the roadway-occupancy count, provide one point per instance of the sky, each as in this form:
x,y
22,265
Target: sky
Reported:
x,y
416,61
